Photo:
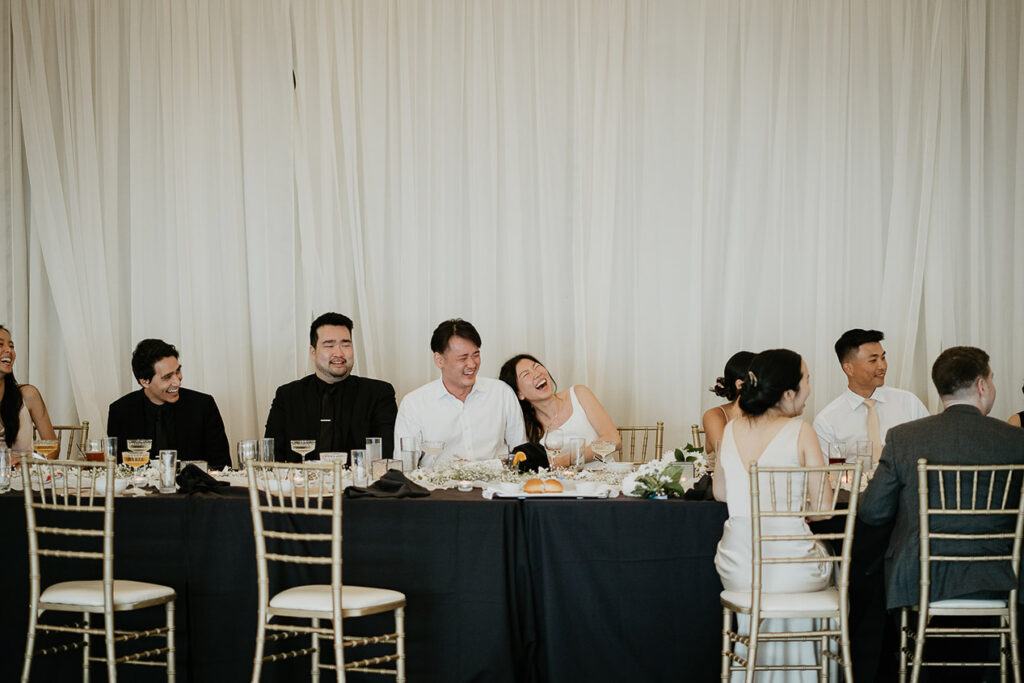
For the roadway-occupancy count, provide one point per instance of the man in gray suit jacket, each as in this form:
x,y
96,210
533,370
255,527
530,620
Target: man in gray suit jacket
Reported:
x,y
960,435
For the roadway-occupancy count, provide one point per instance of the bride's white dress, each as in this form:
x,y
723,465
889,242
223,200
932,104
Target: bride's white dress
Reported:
x,y
733,559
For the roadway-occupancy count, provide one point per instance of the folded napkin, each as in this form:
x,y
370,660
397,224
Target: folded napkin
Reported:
x,y
701,490
191,479
393,484
536,457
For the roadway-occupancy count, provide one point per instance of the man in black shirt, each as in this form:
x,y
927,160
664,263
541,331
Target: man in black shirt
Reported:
x,y
165,412
332,406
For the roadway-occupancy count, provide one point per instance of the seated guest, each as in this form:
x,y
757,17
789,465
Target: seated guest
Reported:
x,y
867,410
960,435
728,387
331,406
770,432
21,405
1016,418
477,418
162,410
576,411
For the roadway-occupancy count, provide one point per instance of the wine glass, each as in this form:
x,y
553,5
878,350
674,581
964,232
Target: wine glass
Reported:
x,y
554,442
135,460
602,449
303,447
45,447
433,449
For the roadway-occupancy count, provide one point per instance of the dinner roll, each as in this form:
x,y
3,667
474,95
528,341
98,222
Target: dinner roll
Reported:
x,y
533,486
552,486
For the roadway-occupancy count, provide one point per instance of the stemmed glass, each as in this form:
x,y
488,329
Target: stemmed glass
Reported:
x,y
45,447
303,447
135,457
602,449
433,449
554,442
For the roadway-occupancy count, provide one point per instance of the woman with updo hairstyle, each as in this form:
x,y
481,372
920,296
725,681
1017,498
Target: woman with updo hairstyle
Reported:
x,y
728,387
769,431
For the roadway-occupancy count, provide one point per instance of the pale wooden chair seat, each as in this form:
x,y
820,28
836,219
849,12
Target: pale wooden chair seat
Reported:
x,y
317,598
785,605
127,594
965,604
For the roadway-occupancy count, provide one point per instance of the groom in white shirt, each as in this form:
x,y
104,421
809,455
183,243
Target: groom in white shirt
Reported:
x,y
868,408
478,418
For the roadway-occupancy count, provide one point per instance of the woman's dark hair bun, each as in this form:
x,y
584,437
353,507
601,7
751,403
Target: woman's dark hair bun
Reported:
x,y
735,369
776,372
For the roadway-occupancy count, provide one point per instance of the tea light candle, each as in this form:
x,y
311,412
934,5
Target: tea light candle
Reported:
x,y
465,485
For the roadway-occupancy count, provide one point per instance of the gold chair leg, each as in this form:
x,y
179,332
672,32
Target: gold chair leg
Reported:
x,y
85,648
755,628
108,628
902,675
314,675
823,660
1014,644
261,639
171,671
922,624
339,650
400,644
726,644
30,643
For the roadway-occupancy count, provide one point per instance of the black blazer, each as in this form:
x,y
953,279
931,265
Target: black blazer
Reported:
x,y
198,426
295,414
960,435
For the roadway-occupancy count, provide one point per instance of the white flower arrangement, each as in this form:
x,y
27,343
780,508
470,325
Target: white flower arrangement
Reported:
x,y
492,471
663,478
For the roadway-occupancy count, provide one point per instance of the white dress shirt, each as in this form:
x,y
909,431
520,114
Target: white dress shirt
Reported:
x,y
846,418
484,426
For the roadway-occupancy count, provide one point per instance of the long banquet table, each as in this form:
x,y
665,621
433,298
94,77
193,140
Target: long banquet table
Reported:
x,y
498,590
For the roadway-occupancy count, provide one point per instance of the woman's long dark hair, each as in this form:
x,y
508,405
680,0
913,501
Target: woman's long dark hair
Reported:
x,y
534,429
10,406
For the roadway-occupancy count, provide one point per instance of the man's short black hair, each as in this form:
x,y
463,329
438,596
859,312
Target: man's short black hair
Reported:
x,y
851,341
148,353
958,367
328,319
456,327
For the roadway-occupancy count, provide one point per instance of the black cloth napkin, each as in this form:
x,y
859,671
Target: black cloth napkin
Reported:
x,y
536,457
191,479
701,490
393,484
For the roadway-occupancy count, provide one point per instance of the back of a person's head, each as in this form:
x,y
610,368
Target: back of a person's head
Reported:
x,y
456,327
852,339
147,353
958,367
329,318
772,373
735,369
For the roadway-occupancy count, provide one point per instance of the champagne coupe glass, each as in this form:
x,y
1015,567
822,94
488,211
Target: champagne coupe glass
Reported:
x,y
303,447
602,449
46,447
135,460
433,449
139,445
554,442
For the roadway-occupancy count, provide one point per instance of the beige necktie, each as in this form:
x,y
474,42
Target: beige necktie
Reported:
x,y
874,432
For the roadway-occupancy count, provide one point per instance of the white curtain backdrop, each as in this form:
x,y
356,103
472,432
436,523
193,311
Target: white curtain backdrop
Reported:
x,y
631,190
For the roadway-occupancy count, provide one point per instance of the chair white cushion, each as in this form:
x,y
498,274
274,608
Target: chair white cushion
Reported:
x,y
90,593
818,601
967,603
317,598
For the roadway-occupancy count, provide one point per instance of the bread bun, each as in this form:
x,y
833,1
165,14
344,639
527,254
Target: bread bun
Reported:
x,y
533,486
553,486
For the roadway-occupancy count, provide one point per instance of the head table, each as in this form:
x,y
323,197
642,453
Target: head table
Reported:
x,y
498,590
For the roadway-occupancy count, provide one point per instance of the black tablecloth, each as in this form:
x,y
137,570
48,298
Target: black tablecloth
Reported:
x,y
502,590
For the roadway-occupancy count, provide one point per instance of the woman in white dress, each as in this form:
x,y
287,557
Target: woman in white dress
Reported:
x,y
728,387
770,433
575,411
21,405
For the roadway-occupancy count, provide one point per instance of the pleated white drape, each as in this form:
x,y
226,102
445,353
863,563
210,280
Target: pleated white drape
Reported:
x,y
631,190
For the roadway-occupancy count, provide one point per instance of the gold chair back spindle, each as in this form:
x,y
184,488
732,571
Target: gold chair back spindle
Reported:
x,y
642,434
68,497
297,490
697,435
792,502
1001,511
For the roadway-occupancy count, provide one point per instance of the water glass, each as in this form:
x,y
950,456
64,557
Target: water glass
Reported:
x,y
577,452
374,448
410,451
265,450
360,469
246,451
110,448
5,470
378,468
168,464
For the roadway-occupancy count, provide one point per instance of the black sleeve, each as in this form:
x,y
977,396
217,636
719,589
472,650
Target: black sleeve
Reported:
x,y
215,442
117,427
277,429
382,418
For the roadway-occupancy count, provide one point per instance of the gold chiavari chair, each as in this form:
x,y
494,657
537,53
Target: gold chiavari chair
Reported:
x,y
275,491
69,436
980,511
787,498
69,497
634,436
697,435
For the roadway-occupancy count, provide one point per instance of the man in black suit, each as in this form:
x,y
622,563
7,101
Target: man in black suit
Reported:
x,y
164,411
960,435
332,406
